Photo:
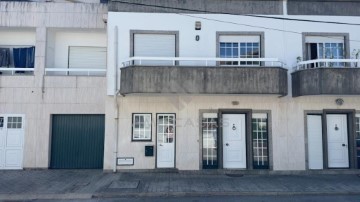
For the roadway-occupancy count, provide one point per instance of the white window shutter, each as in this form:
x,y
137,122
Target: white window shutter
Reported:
x,y
87,57
239,39
155,45
324,39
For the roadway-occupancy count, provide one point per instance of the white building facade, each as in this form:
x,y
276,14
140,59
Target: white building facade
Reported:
x,y
240,85
182,85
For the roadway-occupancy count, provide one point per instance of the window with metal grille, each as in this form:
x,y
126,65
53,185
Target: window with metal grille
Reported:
x,y
209,140
14,122
260,141
234,46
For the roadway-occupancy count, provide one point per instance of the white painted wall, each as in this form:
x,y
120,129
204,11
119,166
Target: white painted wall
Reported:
x,y
17,37
283,45
59,42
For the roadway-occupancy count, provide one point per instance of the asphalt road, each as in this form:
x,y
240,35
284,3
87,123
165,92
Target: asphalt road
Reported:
x,y
297,198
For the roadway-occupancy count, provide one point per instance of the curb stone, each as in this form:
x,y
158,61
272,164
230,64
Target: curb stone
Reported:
x,y
17,197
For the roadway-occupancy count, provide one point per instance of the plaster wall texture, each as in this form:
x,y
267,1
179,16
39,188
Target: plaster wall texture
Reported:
x,y
287,125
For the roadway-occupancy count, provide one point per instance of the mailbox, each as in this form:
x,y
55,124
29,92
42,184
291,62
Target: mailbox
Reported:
x,y
149,150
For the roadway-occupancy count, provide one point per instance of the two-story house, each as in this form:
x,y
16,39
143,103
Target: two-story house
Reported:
x,y
245,85
241,85
52,84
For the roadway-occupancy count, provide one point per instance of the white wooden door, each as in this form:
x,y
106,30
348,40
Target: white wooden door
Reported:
x,y
315,142
165,154
337,139
234,141
11,141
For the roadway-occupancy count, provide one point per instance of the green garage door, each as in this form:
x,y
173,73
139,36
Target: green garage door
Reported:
x,y
77,141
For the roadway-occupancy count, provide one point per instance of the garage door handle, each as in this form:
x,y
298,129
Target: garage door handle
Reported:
x,y
344,145
227,144
161,145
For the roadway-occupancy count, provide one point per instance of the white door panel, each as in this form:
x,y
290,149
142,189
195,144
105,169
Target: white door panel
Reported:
x,y
14,138
2,138
315,142
234,141
11,141
2,157
165,154
13,158
337,138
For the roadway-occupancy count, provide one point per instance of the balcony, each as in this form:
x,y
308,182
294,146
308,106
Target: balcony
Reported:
x,y
326,77
202,76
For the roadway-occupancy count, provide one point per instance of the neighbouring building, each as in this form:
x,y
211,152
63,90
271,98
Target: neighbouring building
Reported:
x,y
52,84
188,85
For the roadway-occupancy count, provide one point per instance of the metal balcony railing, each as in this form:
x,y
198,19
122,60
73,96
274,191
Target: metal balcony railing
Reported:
x,y
202,61
13,71
328,63
75,71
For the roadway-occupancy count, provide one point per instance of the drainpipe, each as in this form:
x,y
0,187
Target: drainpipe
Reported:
x,y
285,7
116,105
116,129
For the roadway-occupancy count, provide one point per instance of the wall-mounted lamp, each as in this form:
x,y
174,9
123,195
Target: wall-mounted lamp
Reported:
x,y
197,25
336,127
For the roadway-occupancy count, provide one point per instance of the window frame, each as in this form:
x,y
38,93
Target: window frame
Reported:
x,y
261,47
133,126
267,167
133,32
201,119
357,132
346,46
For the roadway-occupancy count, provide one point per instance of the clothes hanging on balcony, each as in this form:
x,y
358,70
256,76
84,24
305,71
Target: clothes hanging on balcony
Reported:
x,y
4,57
24,57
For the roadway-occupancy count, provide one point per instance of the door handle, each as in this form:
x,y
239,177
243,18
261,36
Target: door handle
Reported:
x,y
344,145
227,144
161,145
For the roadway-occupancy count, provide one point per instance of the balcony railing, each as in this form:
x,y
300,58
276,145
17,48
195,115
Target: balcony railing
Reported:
x,y
75,72
328,63
13,71
200,61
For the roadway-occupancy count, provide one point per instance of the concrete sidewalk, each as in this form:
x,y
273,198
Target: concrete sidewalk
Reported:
x,y
86,184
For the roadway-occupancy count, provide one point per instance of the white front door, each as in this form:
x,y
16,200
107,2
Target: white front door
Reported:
x,y
11,141
337,139
165,154
234,141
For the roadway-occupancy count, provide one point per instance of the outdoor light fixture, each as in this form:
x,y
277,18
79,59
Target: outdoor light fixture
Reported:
x,y
336,127
197,25
339,101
